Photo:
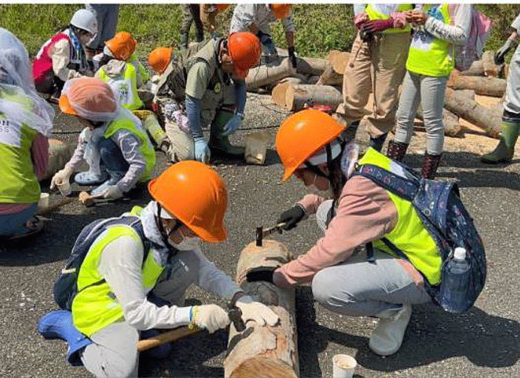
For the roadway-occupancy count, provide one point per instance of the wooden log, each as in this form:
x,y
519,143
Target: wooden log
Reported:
x,y
313,79
278,92
339,62
59,154
476,69
264,75
473,112
330,77
264,351
298,95
311,66
487,86
451,123
488,64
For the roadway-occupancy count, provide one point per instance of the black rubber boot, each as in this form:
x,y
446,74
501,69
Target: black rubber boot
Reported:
x,y
430,165
377,143
218,143
396,150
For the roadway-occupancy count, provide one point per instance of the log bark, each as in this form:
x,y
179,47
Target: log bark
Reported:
x,y
339,62
330,77
489,66
476,69
451,123
59,154
473,112
487,86
264,75
264,352
298,95
278,92
311,66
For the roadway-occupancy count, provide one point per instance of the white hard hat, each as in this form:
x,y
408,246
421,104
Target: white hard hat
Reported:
x,y
86,20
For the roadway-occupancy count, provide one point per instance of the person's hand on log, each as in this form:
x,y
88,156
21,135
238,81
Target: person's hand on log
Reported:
x,y
256,311
375,26
501,53
360,19
210,317
292,57
291,217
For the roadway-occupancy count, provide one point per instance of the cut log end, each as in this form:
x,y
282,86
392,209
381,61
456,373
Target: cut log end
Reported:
x,y
261,367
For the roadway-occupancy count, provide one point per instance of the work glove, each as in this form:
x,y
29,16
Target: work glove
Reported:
x,y
375,26
267,41
501,53
265,275
210,317
292,57
366,36
360,19
61,177
233,124
113,193
202,152
291,217
256,311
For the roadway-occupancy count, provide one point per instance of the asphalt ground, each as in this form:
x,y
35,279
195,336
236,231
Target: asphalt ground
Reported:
x,y
485,342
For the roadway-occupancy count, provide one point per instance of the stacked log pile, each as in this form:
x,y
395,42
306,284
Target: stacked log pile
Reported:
x,y
319,81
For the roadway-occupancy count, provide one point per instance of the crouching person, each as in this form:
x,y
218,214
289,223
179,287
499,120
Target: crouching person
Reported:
x,y
151,252
113,143
210,86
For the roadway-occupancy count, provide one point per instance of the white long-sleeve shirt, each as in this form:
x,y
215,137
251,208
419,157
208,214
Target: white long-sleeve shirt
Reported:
x,y
246,15
458,31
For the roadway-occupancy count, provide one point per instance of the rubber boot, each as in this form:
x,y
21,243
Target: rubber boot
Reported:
x,y
430,165
396,150
388,336
219,144
59,325
505,150
377,143
89,178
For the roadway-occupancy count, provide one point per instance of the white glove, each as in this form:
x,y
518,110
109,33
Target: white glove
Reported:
x,y
113,192
61,177
210,317
256,311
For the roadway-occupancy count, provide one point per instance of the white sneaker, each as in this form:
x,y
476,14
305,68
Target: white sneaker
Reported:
x,y
387,338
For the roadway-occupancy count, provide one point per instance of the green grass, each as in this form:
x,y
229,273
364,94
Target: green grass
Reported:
x,y
319,28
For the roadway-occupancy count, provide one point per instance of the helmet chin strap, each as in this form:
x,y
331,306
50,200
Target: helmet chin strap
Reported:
x,y
165,236
317,170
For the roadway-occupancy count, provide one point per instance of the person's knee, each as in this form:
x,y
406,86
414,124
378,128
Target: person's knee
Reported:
x,y
324,287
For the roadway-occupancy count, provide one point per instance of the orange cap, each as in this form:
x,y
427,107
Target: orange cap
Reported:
x,y
194,194
221,7
303,134
88,97
122,45
280,10
245,50
160,58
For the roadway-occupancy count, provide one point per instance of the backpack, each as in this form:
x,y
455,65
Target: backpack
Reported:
x,y
444,216
473,49
66,285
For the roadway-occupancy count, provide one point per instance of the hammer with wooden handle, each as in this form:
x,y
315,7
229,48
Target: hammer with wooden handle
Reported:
x,y
55,206
261,233
89,200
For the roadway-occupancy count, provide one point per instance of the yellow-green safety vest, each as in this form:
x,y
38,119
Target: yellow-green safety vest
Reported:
x,y
409,234
384,11
19,183
146,147
140,69
125,85
95,306
429,55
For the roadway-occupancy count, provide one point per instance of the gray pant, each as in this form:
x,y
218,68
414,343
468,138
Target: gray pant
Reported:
x,y
107,16
429,91
360,288
114,351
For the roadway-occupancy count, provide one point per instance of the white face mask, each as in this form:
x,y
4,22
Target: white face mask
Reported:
x,y
187,243
327,193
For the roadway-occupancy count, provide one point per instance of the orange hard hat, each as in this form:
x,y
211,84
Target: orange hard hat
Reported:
x,y
221,7
280,10
122,46
194,194
245,50
303,134
160,58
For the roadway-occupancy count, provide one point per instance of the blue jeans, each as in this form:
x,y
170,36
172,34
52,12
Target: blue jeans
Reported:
x,y
14,224
112,157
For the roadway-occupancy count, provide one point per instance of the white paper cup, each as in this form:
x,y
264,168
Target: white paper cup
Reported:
x,y
343,366
256,148
44,201
64,188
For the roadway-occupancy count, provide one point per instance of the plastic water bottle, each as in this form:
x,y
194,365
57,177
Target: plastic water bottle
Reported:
x,y
455,282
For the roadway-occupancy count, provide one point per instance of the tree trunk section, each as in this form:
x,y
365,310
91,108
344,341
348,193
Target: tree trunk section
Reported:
x,y
311,66
59,154
339,62
489,66
330,77
278,92
264,75
264,352
298,95
476,69
487,86
473,112
451,123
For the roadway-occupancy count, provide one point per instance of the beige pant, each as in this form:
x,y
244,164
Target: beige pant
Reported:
x,y
182,144
377,67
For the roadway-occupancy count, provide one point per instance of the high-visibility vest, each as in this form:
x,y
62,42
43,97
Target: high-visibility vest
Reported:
x,y
125,85
140,69
146,148
384,11
429,55
19,183
95,306
409,234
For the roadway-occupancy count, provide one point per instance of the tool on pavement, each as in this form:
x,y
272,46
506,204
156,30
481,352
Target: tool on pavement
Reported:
x,y
55,206
261,233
